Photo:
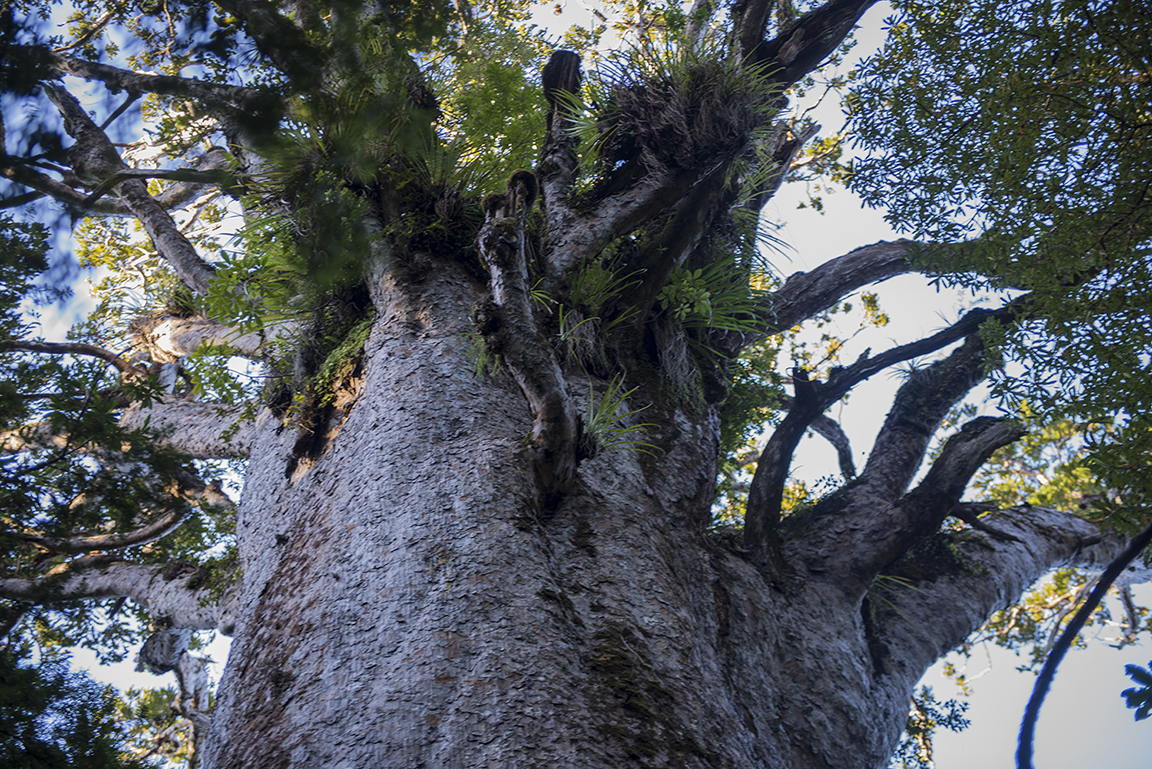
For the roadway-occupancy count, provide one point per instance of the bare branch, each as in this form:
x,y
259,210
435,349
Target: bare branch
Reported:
x,y
72,348
157,529
158,588
210,168
951,597
829,430
762,514
869,535
94,159
801,46
806,294
751,26
920,404
970,513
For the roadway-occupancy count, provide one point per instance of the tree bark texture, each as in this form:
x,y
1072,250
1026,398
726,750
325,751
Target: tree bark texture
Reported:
x,y
406,601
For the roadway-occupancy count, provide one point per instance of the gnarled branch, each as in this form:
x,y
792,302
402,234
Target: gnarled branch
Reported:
x,y
762,514
508,326
949,598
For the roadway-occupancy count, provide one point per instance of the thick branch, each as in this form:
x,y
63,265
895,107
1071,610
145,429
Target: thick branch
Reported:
x,y
508,325
168,339
762,516
802,45
751,24
94,160
157,588
572,239
951,597
200,430
869,535
919,406
212,94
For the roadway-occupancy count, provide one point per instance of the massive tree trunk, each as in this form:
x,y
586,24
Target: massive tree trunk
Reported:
x,y
455,564
409,601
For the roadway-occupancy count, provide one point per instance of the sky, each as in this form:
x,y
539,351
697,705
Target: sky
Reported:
x,y
1084,722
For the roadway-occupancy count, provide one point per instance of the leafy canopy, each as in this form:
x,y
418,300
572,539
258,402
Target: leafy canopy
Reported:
x,y
1023,130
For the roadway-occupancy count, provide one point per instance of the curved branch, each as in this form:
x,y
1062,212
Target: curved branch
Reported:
x,y
920,403
507,323
571,239
73,348
1044,680
163,592
806,294
192,488
871,535
828,429
155,530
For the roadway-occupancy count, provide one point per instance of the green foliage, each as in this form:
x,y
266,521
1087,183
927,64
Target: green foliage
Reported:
x,y
1038,145
1046,467
51,718
340,363
23,258
925,717
1139,699
491,108
717,296
150,719
606,421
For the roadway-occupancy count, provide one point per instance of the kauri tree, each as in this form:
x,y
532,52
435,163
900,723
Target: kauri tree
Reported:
x,y
426,343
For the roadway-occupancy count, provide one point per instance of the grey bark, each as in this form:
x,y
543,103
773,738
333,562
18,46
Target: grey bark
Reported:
x,y
406,603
